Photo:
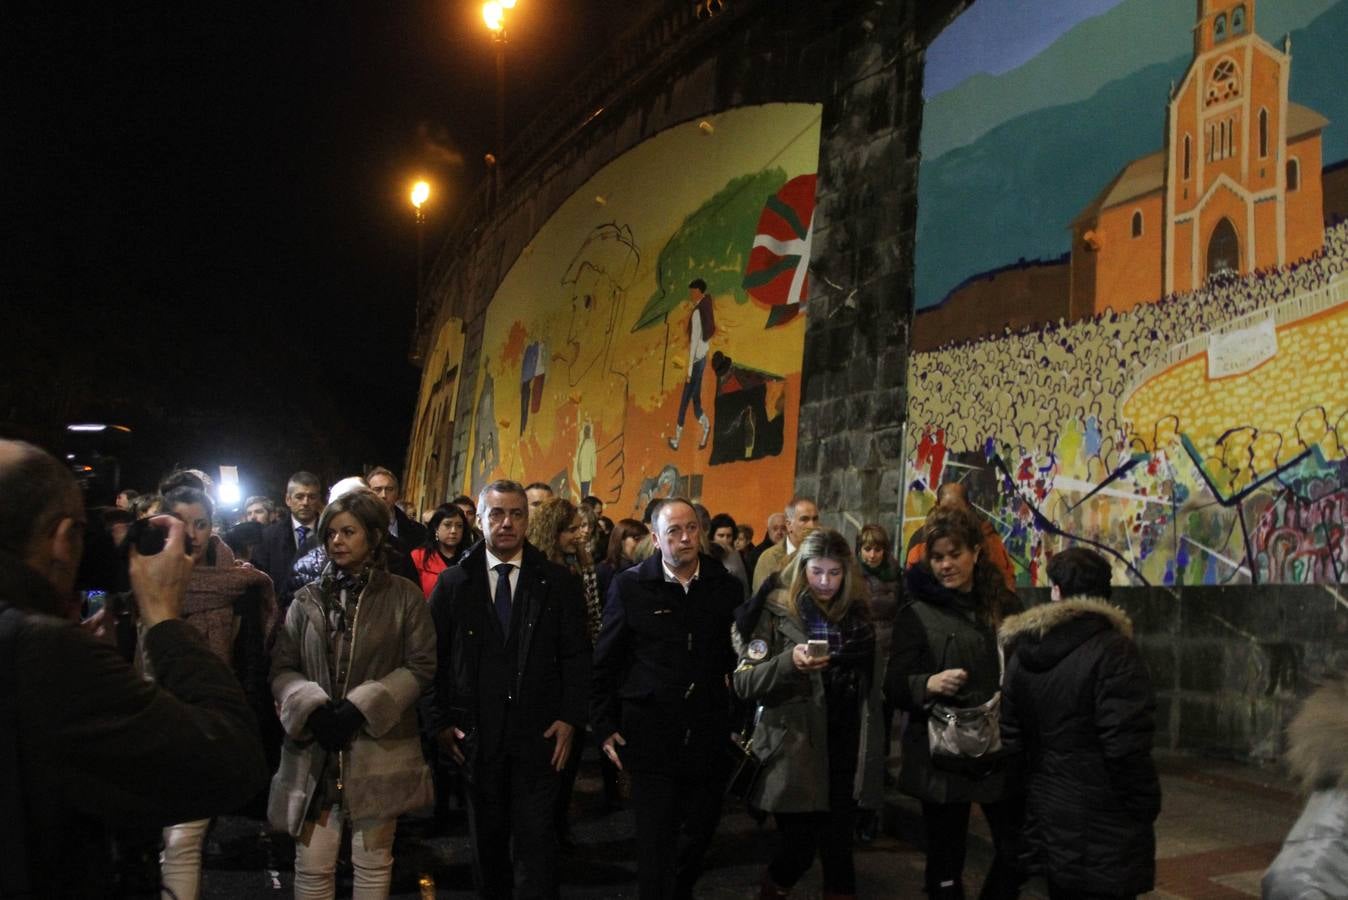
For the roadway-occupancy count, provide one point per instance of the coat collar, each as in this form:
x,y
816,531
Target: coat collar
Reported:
x,y
652,568
1040,620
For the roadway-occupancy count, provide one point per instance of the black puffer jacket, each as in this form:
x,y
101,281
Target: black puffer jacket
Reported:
x,y
1079,704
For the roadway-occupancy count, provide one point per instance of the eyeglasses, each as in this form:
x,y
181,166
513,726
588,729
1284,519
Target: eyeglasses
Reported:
x,y
499,515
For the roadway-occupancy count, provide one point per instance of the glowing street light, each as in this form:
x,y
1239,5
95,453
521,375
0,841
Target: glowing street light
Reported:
x,y
421,192
494,14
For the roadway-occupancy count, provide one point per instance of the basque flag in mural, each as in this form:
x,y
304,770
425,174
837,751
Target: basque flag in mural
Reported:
x,y
778,272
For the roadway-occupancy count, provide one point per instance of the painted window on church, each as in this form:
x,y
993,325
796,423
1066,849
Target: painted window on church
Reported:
x,y
1188,153
1293,174
1219,29
1137,223
1238,20
1263,133
1224,84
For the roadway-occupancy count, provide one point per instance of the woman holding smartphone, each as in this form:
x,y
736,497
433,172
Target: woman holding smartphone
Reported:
x,y
810,663
356,651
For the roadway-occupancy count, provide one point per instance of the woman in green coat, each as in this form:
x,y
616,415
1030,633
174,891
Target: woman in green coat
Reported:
x,y
820,735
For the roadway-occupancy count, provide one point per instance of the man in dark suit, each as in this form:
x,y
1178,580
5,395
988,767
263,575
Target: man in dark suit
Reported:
x,y
404,534
661,698
510,692
292,536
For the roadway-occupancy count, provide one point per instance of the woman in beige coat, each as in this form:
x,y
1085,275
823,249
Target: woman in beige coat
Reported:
x,y
820,736
356,651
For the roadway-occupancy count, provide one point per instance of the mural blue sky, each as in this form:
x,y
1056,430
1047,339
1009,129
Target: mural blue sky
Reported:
x,y
995,36
1028,114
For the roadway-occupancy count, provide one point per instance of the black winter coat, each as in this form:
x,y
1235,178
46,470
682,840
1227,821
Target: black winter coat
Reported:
x,y
936,630
661,665
505,690
1078,703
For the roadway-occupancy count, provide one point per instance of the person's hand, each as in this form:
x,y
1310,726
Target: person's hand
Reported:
x,y
947,683
804,662
160,581
322,724
561,752
610,747
447,739
347,720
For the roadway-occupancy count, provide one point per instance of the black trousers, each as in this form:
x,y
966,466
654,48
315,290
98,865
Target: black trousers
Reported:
x,y
676,819
513,804
947,828
804,834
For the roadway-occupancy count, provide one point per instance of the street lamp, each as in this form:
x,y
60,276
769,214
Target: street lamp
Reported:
x,y
494,14
421,192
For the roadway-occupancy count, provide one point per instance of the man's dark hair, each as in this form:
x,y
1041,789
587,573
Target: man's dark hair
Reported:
x,y
1080,572
539,486
243,535
648,516
698,284
307,479
36,492
591,501
463,499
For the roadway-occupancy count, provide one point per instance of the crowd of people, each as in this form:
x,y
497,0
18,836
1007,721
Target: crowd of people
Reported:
x,y
1078,374
372,665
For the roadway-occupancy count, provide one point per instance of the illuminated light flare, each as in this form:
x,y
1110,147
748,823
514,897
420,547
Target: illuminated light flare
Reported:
x,y
421,192
493,13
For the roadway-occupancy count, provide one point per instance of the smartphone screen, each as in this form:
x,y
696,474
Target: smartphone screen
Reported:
x,y
818,649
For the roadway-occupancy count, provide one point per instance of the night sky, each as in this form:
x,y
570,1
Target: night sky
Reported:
x,y
209,231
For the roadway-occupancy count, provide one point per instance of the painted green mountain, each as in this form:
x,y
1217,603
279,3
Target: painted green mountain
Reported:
x,y
1012,193
712,244
1084,60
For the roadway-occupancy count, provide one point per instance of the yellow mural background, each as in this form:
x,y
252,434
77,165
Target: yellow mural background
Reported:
x,y
578,288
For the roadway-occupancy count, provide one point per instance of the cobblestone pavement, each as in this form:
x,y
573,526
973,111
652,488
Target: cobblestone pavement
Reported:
x,y
1220,826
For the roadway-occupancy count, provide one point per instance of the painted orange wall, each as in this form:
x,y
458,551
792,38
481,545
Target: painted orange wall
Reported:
x,y
1305,205
1128,272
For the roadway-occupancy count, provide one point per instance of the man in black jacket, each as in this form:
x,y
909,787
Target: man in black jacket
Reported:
x,y
87,746
661,698
510,692
293,536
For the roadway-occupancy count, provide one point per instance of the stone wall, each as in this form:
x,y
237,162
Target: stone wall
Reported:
x,y
1230,665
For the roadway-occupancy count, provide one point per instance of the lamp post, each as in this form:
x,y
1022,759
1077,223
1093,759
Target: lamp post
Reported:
x,y
421,192
494,14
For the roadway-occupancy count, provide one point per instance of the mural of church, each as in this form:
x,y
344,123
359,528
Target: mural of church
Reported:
x,y
1236,188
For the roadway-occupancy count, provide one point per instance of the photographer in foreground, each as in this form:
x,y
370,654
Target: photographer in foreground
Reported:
x,y
87,746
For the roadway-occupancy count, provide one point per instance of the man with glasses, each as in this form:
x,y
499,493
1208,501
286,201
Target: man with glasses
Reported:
x,y
510,692
661,698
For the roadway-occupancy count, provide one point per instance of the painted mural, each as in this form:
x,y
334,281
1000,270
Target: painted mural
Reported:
x,y
647,342
1164,184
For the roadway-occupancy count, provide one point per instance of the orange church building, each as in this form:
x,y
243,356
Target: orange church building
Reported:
x,y
1236,188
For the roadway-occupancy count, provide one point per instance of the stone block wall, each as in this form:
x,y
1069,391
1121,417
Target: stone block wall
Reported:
x,y
1230,665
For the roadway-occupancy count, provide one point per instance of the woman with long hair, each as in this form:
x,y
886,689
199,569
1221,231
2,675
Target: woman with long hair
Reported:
x,y
945,651
446,542
811,665
231,605
357,650
557,529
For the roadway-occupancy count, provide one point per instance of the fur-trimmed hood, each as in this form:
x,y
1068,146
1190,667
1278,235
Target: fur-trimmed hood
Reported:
x,y
1042,635
1317,751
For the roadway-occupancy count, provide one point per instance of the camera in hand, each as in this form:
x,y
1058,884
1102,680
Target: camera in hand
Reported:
x,y
149,538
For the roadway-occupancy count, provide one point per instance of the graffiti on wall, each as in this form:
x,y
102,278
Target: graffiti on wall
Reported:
x,y
645,342
1182,409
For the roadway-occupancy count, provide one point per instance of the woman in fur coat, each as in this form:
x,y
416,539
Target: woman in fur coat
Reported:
x,y
1314,858
1078,704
